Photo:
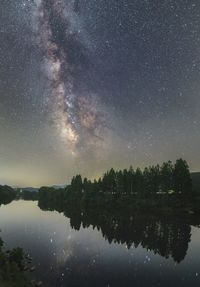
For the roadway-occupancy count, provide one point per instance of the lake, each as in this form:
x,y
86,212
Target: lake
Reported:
x,y
75,249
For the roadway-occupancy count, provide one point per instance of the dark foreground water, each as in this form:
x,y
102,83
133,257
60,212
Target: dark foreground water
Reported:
x,y
70,252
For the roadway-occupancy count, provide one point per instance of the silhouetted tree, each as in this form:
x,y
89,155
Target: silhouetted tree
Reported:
x,y
126,181
119,182
109,181
182,178
167,170
139,181
147,182
130,180
76,184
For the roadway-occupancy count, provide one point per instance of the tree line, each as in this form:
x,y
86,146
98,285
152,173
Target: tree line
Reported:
x,y
168,177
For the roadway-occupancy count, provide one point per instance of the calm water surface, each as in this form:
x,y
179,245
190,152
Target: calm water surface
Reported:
x,y
65,256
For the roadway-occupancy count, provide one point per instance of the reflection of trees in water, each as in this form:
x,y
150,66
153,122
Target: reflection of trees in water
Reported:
x,y
163,234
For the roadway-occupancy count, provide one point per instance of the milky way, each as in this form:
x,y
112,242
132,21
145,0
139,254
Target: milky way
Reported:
x,y
76,115
92,84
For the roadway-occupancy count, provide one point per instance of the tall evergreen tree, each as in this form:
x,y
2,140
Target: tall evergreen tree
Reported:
x,y
182,177
139,182
131,180
76,183
112,180
167,170
119,182
154,178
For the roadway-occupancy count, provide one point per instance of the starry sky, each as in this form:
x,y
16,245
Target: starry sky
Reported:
x,y
90,84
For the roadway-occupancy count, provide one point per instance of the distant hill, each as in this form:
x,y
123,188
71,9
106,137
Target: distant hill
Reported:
x,y
59,186
196,180
30,189
35,189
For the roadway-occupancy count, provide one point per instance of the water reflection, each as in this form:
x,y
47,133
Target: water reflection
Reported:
x,y
78,245
166,235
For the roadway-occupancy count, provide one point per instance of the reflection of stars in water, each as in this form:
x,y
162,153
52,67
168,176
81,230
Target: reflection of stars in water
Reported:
x,y
147,259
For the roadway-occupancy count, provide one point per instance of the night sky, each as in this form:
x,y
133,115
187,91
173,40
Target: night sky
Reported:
x,y
90,84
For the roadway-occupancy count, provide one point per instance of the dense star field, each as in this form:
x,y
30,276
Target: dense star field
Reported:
x,y
90,84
